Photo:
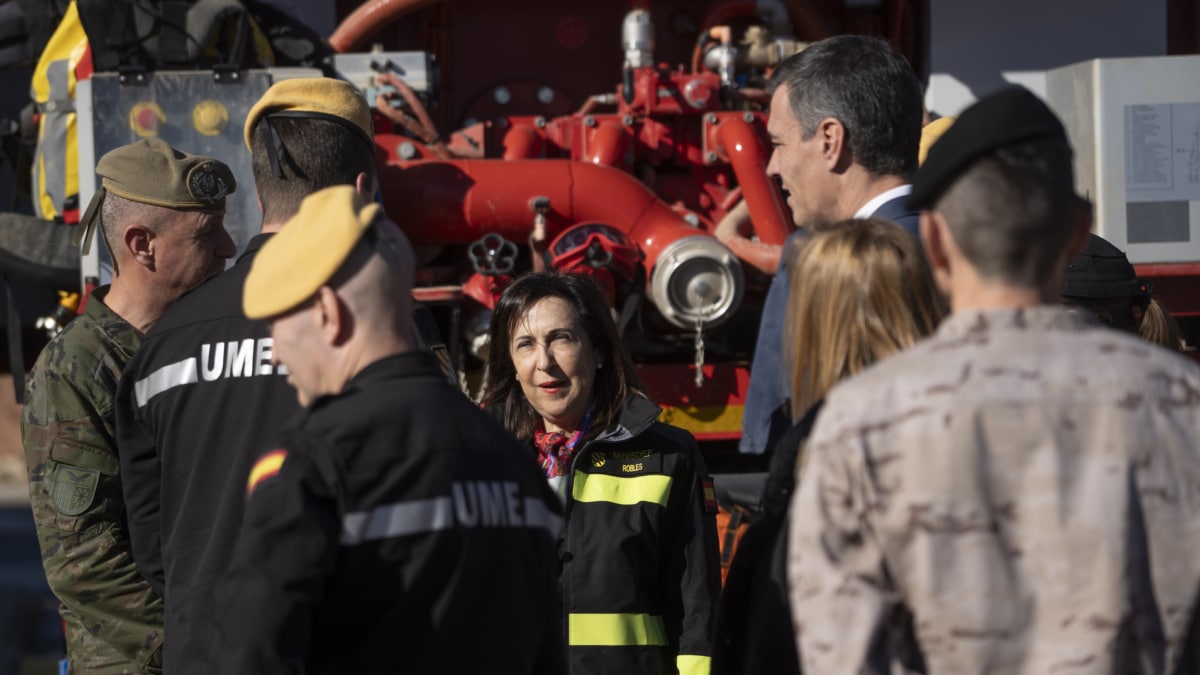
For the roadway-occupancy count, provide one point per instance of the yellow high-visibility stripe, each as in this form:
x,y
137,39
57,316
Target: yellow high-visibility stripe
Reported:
x,y
690,664
627,491
615,630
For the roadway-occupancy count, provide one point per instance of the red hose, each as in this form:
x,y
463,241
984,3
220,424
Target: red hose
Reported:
x,y
369,18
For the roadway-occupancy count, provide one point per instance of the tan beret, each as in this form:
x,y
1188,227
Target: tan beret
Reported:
x,y
308,251
152,172
313,98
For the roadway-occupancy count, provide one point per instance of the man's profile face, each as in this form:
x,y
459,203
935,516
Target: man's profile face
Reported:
x,y
192,246
795,160
296,345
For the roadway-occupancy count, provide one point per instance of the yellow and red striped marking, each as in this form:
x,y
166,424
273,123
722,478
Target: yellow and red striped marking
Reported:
x,y
710,412
267,466
710,495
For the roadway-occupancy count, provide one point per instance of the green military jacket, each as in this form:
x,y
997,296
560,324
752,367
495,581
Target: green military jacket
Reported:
x,y
114,619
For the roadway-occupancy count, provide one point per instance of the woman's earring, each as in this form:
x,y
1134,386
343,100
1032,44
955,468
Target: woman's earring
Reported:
x,y
600,365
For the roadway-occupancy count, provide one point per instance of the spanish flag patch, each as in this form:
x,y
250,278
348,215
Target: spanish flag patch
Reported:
x,y
710,495
267,466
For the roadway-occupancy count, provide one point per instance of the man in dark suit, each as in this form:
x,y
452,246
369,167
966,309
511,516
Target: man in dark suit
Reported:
x,y
845,126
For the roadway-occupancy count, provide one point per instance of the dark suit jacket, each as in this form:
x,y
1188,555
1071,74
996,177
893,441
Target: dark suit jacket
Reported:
x,y
764,419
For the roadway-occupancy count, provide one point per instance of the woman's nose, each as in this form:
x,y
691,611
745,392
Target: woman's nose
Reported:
x,y
545,358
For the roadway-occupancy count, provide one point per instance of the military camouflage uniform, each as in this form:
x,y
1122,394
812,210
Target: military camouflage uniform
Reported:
x,y
1018,494
113,618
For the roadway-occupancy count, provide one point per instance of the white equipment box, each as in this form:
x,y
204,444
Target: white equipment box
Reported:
x,y
1135,127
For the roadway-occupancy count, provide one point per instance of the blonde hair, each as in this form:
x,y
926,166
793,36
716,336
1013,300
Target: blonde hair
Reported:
x,y
1159,327
860,290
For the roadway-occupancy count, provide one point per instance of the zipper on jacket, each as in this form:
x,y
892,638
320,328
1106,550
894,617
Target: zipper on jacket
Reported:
x,y
568,502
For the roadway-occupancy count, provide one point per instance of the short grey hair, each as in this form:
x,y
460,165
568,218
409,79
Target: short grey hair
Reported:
x,y
867,86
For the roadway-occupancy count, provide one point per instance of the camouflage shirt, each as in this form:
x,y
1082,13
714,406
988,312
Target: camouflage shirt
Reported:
x,y
1018,494
113,618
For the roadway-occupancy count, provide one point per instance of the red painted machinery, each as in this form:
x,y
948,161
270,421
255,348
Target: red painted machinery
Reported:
x,y
650,186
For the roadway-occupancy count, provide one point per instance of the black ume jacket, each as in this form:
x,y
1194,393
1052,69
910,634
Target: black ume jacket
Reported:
x,y
395,528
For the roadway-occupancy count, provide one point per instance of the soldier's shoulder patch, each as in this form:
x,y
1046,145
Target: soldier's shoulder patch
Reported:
x,y
74,489
267,466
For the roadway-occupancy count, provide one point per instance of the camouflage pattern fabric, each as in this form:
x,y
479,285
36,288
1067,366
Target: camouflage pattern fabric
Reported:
x,y
113,618
1018,494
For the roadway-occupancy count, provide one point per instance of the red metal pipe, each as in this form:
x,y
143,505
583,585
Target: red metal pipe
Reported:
x,y
608,144
767,209
522,142
369,18
458,201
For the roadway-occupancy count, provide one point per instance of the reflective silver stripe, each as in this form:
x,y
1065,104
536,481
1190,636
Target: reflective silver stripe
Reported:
x,y
169,376
537,514
397,520
421,516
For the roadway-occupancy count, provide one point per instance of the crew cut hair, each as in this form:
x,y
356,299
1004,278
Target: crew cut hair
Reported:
x,y
318,154
117,213
1013,212
867,86
614,383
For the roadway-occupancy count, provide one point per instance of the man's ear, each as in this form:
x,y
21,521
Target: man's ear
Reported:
x,y
835,151
935,237
139,243
333,317
365,186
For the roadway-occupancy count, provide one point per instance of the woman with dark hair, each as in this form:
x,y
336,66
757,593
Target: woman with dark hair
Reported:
x,y
640,576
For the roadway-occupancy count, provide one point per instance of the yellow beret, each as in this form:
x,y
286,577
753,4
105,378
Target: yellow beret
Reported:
x,y
313,98
308,251
930,133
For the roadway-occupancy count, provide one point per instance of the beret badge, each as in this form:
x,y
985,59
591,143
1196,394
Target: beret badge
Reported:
x,y
205,184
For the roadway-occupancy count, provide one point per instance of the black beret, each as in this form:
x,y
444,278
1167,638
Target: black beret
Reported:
x,y
1008,117
1101,271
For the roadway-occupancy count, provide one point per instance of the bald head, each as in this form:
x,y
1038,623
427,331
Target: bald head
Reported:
x,y
376,282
